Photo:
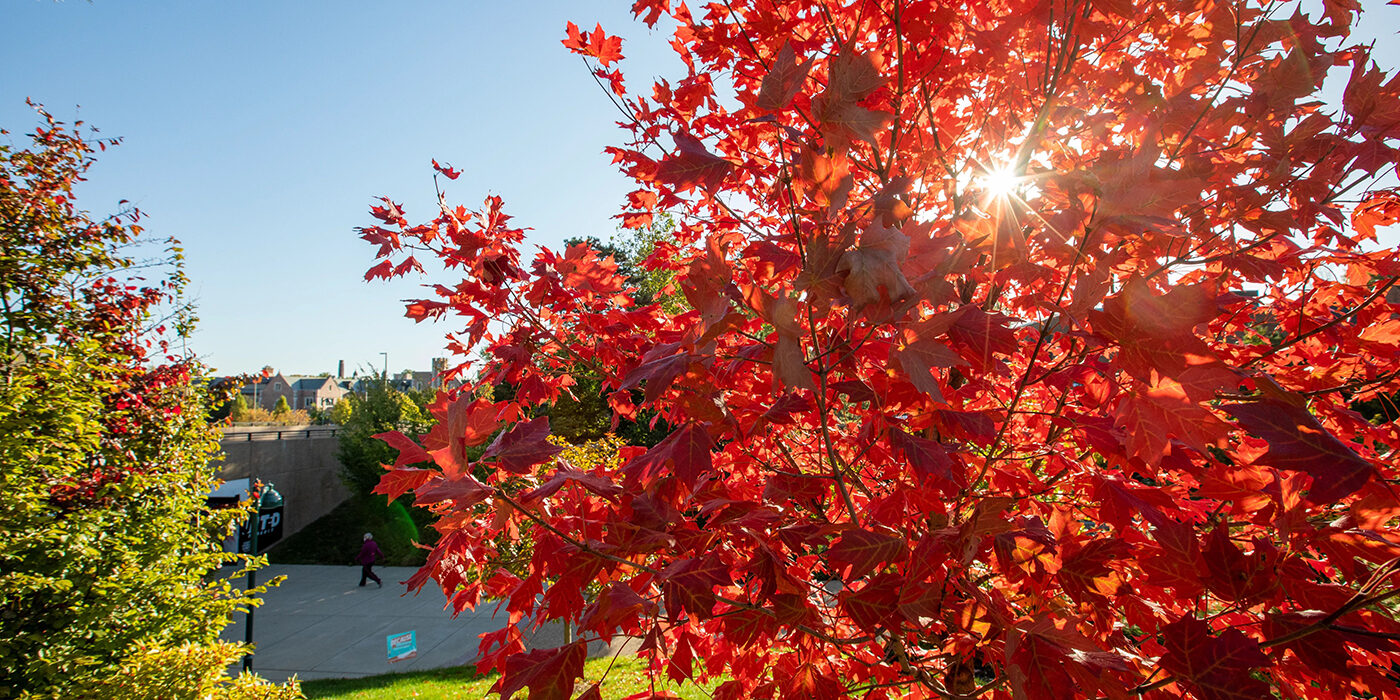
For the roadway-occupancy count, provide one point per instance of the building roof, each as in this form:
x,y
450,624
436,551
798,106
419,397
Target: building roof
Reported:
x,y
309,383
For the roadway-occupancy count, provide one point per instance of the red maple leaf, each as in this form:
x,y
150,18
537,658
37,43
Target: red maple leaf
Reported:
x,y
689,585
1299,442
383,270
851,77
616,605
653,9
1234,575
594,483
605,48
797,488
928,458
806,679
409,451
519,449
575,41
918,360
597,44
784,80
750,626
1214,667
692,166
687,450
1177,562
1328,647
1086,574
397,481
1155,333
982,334
446,170
1165,410
874,604
462,423
464,491
860,551
1053,660
425,309
548,673
658,368
1380,209
872,269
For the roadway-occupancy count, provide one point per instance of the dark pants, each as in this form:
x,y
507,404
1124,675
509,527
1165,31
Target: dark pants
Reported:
x,y
365,573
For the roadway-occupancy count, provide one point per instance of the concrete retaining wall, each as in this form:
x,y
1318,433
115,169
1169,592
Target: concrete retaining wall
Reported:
x,y
304,470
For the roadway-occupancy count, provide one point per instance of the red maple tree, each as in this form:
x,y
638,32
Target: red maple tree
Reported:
x,y
1021,356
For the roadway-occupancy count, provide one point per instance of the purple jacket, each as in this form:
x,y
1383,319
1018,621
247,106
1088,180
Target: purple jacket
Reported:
x,y
368,553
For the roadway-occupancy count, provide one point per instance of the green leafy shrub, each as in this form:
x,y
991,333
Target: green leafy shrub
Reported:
x,y
339,414
240,409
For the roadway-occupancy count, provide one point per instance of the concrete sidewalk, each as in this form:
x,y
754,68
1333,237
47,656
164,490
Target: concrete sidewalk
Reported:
x,y
320,624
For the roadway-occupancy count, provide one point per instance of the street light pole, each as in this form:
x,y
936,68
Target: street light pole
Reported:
x,y
386,367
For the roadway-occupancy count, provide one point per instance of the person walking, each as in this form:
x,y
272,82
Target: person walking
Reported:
x,y
369,553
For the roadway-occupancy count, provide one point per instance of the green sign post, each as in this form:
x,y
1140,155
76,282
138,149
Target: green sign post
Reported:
x,y
269,505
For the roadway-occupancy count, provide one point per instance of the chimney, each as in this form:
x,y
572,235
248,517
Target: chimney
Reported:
x,y
341,371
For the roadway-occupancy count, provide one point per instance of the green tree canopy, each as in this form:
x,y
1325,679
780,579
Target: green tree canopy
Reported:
x,y
381,408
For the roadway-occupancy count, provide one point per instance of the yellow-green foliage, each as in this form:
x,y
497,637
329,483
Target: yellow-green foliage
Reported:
x,y
257,416
109,553
339,414
589,455
189,671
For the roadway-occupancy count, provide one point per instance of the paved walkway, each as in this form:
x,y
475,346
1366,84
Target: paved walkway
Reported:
x,y
320,624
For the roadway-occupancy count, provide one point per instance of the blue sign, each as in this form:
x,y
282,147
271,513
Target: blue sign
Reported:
x,y
402,646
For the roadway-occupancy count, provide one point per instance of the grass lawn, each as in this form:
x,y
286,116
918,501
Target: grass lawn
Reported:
x,y
628,676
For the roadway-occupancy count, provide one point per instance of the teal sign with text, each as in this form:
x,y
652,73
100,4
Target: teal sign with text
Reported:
x,y
402,646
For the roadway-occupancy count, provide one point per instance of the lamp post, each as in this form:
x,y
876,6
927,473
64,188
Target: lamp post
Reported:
x,y
267,499
386,368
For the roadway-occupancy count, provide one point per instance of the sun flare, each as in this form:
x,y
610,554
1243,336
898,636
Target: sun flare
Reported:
x,y
1000,182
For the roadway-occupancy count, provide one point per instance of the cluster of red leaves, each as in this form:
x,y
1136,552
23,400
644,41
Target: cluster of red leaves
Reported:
x,y
1019,357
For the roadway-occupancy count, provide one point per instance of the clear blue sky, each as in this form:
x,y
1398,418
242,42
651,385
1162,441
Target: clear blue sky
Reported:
x,y
259,132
